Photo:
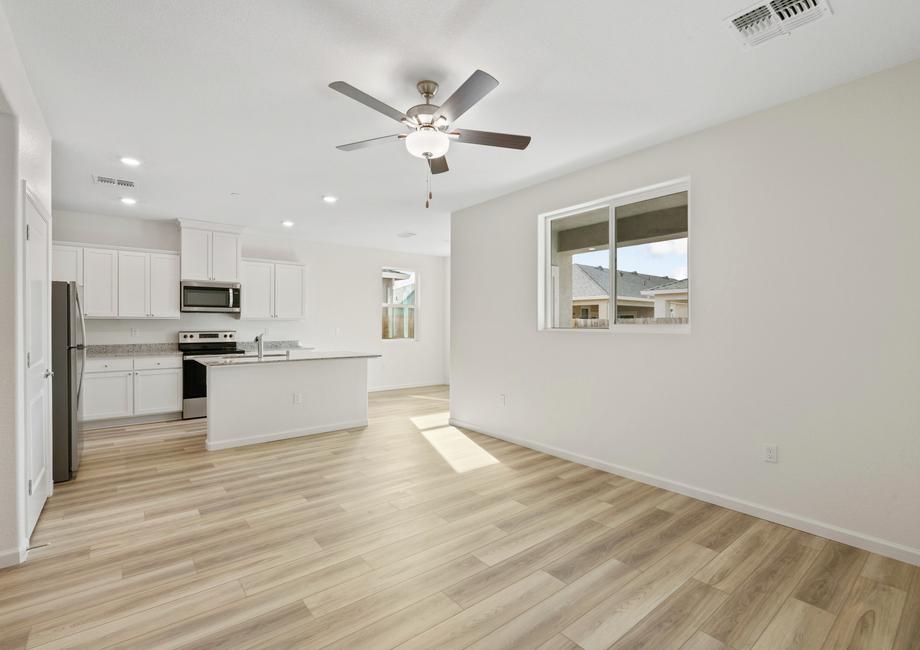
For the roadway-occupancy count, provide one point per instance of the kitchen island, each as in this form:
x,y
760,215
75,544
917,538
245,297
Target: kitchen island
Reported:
x,y
254,399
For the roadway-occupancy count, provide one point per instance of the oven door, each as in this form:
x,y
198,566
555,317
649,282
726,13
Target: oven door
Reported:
x,y
221,297
194,389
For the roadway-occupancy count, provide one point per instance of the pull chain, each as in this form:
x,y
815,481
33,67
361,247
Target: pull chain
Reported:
x,y
428,185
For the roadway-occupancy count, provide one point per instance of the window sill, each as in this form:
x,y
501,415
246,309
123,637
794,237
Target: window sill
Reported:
x,y
644,328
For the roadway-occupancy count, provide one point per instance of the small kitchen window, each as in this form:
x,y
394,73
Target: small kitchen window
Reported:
x,y
640,282
400,304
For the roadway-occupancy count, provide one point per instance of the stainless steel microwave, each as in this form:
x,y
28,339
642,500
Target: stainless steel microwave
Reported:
x,y
210,296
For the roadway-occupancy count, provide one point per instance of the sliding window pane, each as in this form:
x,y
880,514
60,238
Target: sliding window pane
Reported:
x,y
652,282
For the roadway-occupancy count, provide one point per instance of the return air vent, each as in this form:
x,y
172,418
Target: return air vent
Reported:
x,y
764,21
109,181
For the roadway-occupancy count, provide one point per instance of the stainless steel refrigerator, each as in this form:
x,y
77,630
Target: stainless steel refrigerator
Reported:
x,y
68,360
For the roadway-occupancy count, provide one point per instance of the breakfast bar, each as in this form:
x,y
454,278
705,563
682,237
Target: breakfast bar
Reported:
x,y
254,399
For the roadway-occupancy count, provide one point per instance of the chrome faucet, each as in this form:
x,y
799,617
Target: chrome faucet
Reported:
x,y
260,346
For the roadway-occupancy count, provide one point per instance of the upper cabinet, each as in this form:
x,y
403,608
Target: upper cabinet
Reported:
x,y
210,252
100,282
121,283
67,263
272,290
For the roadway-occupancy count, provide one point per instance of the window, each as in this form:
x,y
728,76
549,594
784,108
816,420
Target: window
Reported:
x,y
400,303
641,280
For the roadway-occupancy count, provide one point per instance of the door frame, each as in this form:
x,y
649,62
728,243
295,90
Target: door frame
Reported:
x,y
30,197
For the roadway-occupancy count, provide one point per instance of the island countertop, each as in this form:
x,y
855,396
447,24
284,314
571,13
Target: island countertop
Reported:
x,y
280,357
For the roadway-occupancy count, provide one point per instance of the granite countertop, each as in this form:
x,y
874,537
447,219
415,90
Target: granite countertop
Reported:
x,y
281,357
129,350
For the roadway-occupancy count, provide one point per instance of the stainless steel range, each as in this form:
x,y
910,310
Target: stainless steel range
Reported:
x,y
195,375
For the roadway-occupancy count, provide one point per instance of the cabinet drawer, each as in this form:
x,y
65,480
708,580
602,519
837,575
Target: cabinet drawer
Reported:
x,y
157,363
109,364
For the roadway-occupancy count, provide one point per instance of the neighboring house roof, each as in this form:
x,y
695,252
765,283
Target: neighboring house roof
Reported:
x,y
668,287
593,281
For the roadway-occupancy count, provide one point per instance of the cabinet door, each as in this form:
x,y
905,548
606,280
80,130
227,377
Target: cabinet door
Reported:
x,y
164,285
288,291
157,391
100,282
225,257
133,284
67,264
196,254
257,292
108,395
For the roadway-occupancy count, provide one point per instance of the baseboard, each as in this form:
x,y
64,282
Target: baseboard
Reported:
x,y
813,526
284,435
12,557
427,384
131,421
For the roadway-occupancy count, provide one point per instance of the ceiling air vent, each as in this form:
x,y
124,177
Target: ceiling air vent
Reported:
x,y
762,22
109,181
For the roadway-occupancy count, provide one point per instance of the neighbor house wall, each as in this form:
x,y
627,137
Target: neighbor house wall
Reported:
x,y
25,154
343,300
810,204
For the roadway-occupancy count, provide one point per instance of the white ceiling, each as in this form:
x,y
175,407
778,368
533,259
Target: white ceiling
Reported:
x,y
221,96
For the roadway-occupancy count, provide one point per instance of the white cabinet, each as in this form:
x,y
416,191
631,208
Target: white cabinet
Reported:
x,y
164,285
288,291
258,289
196,254
100,282
133,284
67,263
157,391
148,285
124,387
210,254
272,290
108,395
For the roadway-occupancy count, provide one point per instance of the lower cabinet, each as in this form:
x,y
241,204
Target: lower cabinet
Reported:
x,y
142,386
157,391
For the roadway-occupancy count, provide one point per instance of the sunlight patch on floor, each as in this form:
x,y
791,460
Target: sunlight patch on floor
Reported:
x,y
461,453
431,421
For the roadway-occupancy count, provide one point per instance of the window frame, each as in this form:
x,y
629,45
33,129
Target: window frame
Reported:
x,y
612,202
415,305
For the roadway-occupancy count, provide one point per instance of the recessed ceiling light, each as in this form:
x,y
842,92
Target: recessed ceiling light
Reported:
x,y
127,200
287,223
328,198
130,162
406,235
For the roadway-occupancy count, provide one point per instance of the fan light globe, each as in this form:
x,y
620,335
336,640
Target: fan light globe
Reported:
x,y
427,142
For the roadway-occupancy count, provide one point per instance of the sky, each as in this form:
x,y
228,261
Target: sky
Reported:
x,y
658,258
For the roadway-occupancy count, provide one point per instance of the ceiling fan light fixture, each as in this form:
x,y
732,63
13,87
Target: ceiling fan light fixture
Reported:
x,y
427,142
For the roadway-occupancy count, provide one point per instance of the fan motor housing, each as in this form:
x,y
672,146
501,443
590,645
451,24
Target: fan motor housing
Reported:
x,y
422,113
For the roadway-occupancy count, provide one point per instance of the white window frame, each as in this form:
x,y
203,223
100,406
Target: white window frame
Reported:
x,y
544,270
416,306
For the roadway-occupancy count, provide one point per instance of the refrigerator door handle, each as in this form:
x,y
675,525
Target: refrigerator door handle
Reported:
x,y
83,346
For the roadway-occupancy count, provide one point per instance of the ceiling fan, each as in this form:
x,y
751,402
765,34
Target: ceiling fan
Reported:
x,y
428,125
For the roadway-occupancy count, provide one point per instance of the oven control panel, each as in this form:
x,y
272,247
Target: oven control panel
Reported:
x,y
208,336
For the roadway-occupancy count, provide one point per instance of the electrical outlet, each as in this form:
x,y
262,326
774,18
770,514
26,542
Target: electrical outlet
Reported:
x,y
770,453
503,399
338,331
133,331
297,398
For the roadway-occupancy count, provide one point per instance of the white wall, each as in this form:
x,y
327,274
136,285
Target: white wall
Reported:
x,y
25,153
805,227
343,298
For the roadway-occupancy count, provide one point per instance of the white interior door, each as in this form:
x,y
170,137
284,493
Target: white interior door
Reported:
x,y
38,359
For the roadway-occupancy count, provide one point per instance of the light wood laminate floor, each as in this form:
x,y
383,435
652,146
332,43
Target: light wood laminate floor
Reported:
x,y
413,534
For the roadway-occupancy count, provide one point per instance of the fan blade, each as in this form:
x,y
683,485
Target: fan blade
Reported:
x,y
490,139
360,96
471,91
361,144
438,165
